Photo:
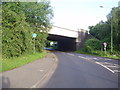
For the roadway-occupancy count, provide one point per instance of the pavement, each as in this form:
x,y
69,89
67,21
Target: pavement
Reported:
x,y
32,75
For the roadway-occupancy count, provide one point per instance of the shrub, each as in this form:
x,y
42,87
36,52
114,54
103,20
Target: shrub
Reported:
x,y
93,44
16,34
19,21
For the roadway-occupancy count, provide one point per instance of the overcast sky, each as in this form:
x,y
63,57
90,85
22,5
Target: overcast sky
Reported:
x,y
74,14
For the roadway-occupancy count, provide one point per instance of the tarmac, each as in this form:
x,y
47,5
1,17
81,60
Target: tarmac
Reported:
x,y
32,75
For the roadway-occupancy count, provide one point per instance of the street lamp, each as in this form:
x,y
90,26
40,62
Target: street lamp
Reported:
x,y
111,30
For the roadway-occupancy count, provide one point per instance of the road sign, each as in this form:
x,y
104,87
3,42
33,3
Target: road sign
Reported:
x,y
105,44
34,35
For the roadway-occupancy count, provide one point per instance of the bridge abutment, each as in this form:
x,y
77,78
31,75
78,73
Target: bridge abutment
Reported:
x,y
82,37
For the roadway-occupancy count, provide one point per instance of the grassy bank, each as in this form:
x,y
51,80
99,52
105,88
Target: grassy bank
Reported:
x,y
11,63
116,55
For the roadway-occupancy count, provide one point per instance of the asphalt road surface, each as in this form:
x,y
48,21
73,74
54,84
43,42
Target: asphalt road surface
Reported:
x,y
83,71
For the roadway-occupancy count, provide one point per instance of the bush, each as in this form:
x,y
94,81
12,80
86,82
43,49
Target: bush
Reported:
x,y
93,44
19,21
16,34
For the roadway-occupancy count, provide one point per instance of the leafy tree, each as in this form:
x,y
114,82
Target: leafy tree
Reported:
x,y
115,20
19,21
38,15
102,30
16,33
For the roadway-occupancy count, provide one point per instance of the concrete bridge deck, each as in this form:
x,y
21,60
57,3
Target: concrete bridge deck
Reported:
x,y
68,40
63,32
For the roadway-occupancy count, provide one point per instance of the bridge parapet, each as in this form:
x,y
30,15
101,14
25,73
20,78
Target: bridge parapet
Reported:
x,y
63,32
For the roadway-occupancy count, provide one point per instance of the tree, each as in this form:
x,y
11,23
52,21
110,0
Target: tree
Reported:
x,y
16,32
116,26
19,21
102,31
38,15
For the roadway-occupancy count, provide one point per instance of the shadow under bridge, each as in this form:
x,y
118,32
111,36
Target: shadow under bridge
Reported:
x,y
63,43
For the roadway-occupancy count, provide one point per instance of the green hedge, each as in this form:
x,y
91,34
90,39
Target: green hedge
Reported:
x,y
19,23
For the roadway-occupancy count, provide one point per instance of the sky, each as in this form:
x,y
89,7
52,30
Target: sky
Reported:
x,y
74,14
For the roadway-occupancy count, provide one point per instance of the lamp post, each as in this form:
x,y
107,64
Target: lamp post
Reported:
x,y
111,30
111,35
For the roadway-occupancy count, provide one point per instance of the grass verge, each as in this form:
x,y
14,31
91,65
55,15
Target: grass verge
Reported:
x,y
99,53
11,63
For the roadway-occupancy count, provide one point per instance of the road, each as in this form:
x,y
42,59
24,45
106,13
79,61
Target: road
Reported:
x,y
83,71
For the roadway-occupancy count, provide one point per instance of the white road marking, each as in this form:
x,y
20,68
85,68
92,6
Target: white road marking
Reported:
x,y
70,54
41,70
105,67
102,64
108,63
112,66
116,71
95,58
82,57
35,85
50,72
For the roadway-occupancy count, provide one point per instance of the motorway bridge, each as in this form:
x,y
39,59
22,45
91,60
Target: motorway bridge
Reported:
x,y
67,39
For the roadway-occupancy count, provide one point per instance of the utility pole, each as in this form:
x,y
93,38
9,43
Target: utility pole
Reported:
x,y
111,29
111,34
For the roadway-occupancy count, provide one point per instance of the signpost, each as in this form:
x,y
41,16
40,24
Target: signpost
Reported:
x,y
34,36
105,45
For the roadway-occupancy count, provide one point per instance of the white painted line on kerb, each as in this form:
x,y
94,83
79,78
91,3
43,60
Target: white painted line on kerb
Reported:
x,y
105,67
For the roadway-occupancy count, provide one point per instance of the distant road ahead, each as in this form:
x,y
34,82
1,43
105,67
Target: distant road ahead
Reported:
x,y
83,71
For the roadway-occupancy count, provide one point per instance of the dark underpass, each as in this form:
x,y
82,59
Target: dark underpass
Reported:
x,y
64,43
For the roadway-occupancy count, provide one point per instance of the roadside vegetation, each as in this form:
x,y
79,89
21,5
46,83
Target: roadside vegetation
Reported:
x,y
11,63
19,21
92,48
101,33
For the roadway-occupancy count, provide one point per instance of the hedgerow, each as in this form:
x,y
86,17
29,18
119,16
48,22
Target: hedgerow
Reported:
x,y
19,22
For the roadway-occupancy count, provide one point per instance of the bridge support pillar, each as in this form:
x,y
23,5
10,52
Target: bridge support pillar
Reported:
x,y
82,37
